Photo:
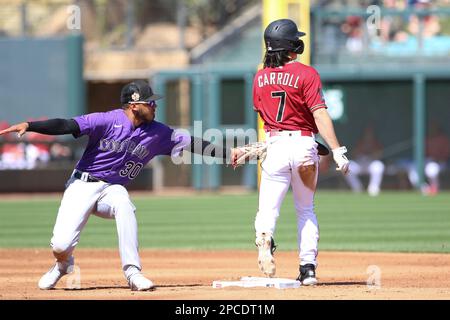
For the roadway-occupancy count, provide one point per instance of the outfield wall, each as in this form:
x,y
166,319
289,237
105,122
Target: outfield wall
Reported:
x,y
41,77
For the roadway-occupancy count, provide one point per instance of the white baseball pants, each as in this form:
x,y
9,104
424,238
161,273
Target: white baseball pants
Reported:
x,y
432,171
375,168
80,200
285,154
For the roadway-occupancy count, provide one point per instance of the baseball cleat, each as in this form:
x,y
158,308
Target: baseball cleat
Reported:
x,y
50,279
307,275
266,248
138,282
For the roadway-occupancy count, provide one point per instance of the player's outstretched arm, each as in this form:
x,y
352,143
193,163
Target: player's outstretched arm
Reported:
x,y
206,148
50,127
202,147
20,128
326,130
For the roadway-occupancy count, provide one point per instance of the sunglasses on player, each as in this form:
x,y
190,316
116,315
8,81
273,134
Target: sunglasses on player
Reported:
x,y
151,103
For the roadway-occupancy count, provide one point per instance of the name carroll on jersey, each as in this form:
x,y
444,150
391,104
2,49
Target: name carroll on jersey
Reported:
x,y
278,78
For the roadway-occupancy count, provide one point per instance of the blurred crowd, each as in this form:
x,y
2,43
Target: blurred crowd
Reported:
x,y
32,151
369,158
393,34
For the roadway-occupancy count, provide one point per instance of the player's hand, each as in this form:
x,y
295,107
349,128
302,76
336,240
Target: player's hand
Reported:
x,y
20,128
341,160
236,153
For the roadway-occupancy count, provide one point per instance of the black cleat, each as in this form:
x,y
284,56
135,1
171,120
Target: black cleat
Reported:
x,y
307,275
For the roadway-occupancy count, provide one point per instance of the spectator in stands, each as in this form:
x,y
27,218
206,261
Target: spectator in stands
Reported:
x,y
12,152
437,157
353,28
431,24
59,152
420,33
38,147
392,27
366,160
3,125
26,154
332,38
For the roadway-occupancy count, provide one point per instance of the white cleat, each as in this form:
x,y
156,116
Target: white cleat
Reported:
x,y
266,247
307,275
310,282
50,279
373,191
138,282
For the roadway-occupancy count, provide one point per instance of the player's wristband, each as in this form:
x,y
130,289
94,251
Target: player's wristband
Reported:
x,y
199,146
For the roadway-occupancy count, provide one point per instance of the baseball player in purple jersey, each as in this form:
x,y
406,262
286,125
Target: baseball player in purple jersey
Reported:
x,y
121,143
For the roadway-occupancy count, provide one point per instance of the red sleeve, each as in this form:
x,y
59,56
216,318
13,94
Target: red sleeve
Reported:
x,y
313,94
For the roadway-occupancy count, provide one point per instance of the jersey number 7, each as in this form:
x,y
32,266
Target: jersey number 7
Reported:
x,y
282,96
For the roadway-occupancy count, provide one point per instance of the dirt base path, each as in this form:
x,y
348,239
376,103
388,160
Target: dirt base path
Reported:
x,y
188,275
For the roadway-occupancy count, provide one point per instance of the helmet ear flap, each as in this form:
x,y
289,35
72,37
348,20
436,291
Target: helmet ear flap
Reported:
x,y
300,47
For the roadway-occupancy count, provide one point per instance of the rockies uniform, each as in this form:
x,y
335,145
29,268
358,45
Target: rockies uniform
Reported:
x,y
288,97
121,143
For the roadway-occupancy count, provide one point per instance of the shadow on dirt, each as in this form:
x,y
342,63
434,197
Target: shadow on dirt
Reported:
x,y
343,283
94,288
126,287
181,285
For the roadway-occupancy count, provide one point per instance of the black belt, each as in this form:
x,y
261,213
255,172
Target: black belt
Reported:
x,y
84,176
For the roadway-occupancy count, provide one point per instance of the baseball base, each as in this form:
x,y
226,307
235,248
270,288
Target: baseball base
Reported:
x,y
250,282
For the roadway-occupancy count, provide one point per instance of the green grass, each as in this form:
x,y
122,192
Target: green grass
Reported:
x,y
405,222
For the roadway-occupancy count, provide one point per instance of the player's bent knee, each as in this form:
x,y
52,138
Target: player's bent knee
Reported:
x,y
61,247
376,167
61,250
124,206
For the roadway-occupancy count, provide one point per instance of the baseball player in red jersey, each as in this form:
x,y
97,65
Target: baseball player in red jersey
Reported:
x,y
288,96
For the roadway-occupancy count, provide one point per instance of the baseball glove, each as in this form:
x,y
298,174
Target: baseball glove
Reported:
x,y
321,149
251,151
258,151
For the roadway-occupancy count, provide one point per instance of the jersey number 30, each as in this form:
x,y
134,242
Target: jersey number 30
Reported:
x,y
282,96
131,169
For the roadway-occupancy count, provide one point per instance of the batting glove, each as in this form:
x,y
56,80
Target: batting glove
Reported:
x,y
340,159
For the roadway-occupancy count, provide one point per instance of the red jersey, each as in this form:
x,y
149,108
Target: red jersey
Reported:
x,y
287,96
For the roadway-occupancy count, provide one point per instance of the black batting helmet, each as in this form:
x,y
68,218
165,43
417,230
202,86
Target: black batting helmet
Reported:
x,y
138,91
283,35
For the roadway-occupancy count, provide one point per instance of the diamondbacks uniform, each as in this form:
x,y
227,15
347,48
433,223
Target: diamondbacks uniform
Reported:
x,y
286,98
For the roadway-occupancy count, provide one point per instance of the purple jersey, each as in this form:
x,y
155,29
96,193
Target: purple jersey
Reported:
x,y
117,151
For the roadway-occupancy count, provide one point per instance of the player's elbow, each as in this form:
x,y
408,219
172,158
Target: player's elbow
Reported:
x,y
322,119
320,114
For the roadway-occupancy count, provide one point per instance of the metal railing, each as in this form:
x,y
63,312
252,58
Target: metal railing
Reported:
x,y
362,35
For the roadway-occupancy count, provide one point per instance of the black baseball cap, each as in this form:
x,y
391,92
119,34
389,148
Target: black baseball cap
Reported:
x,y
283,34
138,91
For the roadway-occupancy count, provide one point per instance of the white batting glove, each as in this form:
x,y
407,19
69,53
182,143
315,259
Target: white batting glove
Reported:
x,y
341,160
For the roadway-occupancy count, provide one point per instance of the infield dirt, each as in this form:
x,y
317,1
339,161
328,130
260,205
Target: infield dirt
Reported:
x,y
188,275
